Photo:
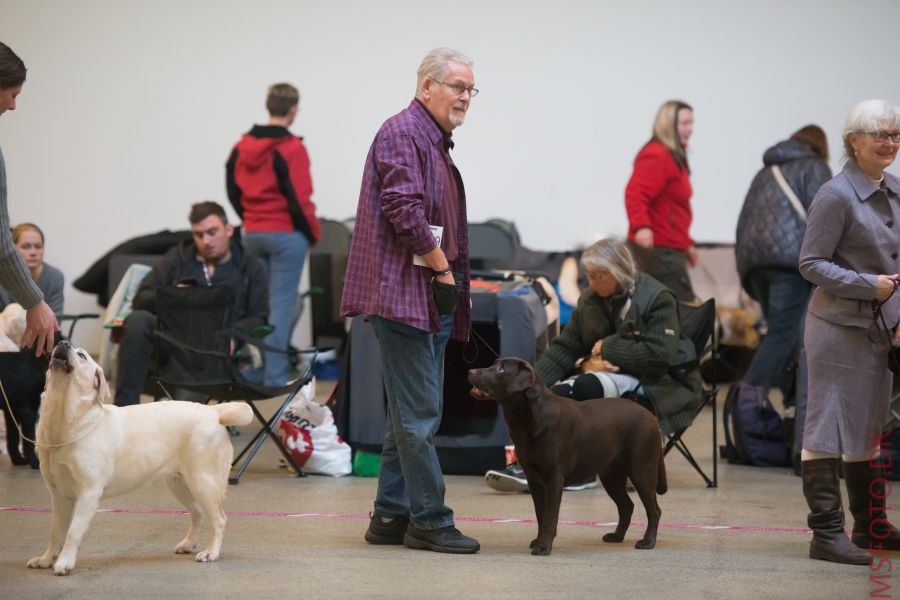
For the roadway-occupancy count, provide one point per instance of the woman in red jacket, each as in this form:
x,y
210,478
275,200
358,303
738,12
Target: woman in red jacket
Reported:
x,y
658,201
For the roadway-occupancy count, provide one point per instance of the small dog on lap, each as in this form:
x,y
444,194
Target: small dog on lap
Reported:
x,y
560,442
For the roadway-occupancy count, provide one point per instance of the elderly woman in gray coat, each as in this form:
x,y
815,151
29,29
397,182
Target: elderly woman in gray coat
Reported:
x,y
850,252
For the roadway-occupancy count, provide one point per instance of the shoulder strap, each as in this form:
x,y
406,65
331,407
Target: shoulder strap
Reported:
x,y
795,201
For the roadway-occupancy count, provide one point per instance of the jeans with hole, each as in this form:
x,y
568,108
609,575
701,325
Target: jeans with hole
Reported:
x,y
783,295
282,256
411,482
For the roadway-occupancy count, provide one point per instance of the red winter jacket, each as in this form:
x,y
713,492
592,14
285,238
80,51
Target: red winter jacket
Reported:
x,y
658,196
268,182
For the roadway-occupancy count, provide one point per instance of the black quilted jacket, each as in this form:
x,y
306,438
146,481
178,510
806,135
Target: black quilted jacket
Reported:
x,y
769,231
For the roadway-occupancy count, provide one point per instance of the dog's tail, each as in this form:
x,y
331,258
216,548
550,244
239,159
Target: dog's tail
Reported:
x,y
662,484
234,413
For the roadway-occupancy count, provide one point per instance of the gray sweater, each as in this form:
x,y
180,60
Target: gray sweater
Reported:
x,y
14,275
51,282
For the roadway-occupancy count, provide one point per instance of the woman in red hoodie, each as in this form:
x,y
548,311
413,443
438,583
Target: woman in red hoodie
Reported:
x,y
268,182
658,201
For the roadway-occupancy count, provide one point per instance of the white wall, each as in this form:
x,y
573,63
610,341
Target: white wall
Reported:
x,y
130,108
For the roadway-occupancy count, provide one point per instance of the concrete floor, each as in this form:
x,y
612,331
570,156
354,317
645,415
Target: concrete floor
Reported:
x,y
293,537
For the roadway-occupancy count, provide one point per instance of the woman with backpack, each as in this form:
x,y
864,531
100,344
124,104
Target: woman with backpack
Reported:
x,y
767,248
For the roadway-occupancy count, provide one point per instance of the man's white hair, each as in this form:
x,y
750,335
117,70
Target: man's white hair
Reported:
x,y
434,65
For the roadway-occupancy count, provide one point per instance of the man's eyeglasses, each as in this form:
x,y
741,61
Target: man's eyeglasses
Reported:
x,y
459,89
882,136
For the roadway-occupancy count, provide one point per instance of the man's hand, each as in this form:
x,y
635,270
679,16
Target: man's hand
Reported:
x,y
40,326
886,285
597,350
643,237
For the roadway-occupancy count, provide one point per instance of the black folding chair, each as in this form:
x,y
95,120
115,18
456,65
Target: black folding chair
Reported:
x,y
193,352
698,323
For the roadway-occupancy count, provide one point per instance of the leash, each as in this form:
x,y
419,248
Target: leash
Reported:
x,y
477,353
35,442
876,316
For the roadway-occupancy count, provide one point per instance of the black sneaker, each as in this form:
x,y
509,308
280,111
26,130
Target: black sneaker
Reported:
x,y
585,485
510,479
386,530
445,539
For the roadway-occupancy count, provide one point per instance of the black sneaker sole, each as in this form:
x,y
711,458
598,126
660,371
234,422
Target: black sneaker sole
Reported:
x,y
504,483
383,540
417,544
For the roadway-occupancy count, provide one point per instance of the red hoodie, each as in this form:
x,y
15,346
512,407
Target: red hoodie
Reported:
x,y
268,182
658,196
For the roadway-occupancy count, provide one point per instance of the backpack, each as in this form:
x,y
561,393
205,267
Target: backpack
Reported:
x,y
754,432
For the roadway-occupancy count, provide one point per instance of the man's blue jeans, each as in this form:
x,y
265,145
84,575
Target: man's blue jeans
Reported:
x,y
411,483
783,295
282,256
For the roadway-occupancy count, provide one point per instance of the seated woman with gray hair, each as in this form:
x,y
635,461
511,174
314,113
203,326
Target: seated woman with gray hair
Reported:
x,y
625,338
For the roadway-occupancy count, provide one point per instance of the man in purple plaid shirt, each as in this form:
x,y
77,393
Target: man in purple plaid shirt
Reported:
x,y
414,289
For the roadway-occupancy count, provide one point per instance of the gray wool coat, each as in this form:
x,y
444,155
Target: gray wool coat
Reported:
x,y
852,236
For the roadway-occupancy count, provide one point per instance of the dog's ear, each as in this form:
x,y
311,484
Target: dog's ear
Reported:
x,y
103,393
528,382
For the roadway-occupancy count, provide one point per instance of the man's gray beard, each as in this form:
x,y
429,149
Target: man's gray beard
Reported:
x,y
456,119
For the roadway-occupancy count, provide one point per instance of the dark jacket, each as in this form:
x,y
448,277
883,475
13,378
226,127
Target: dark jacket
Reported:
x,y
246,278
645,342
769,230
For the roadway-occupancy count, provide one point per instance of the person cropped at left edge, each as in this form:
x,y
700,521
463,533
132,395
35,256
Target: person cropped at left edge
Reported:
x,y
211,258
404,281
40,322
270,187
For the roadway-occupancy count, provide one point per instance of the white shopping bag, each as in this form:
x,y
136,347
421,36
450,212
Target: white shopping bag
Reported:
x,y
308,432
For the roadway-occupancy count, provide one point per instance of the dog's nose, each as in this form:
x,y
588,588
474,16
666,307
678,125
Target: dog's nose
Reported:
x,y
62,348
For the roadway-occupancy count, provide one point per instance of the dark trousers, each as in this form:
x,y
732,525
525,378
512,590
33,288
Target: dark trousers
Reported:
x,y
135,353
666,265
23,377
783,295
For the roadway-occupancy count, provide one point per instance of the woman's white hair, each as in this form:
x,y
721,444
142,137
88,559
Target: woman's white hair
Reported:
x,y
614,256
870,116
434,65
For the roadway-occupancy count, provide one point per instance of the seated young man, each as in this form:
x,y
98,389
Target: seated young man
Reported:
x,y
212,258
626,330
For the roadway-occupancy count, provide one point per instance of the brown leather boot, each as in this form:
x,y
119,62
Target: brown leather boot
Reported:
x,y
823,494
866,492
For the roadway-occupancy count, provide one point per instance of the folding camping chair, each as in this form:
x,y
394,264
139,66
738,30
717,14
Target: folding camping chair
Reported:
x,y
193,352
698,323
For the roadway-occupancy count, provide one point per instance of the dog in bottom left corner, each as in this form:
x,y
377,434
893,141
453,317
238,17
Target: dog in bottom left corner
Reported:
x,y
90,450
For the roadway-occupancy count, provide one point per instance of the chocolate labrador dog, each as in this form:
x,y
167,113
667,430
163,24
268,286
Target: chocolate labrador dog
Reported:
x,y
560,441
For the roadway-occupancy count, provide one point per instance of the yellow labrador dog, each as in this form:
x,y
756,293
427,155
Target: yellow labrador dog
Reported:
x,y
90,451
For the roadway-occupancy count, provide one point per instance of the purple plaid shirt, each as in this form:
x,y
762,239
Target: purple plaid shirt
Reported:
x,y
401,194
